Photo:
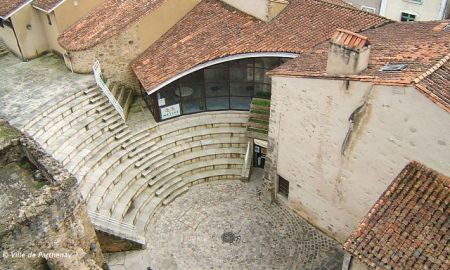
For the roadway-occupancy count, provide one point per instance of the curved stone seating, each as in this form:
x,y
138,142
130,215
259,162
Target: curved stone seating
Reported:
x,y
127,175
41,119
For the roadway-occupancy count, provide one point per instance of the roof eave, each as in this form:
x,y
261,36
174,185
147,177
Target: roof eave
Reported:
x,y
218,61
50,10
15,10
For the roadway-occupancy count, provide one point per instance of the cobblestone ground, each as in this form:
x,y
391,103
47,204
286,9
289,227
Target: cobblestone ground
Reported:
x,y
189,234
27,88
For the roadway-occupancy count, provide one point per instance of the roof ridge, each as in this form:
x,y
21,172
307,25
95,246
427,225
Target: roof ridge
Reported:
x,y
432,69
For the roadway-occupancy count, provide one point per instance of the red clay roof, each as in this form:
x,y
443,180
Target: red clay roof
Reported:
x,y
47,5
9,6
420,45
105,21
436,85
213,30
408,227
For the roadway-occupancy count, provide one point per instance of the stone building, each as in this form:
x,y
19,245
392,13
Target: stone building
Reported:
x,y
116,32
345,119
406,10
30,28
407,228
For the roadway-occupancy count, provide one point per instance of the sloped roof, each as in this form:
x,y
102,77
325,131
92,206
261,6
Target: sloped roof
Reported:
x,y
420,45
8,7
214,30
107,20
436,84
47,5
408,227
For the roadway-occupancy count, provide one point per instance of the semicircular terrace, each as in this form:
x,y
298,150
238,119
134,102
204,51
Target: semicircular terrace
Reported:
x,y
126,174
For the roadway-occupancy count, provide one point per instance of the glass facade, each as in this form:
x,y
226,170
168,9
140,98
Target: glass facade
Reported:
x,y
225,86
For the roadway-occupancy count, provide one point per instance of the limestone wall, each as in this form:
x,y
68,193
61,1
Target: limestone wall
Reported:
x,y
115,55
336,174
50,228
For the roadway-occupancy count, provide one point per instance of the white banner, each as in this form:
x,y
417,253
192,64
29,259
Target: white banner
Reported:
x,y
170,111
98,78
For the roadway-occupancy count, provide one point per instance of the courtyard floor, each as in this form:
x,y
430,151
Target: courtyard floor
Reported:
x,y
226,225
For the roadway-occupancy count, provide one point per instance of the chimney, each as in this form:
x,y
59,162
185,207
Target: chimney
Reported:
x,y
348,54
264,10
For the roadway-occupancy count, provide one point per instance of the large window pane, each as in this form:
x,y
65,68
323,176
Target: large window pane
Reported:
x,y
216,75
168,95
213,104
242,89
240,103
193,105
217,89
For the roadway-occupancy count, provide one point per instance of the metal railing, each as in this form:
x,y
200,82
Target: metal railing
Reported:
x,y
98,78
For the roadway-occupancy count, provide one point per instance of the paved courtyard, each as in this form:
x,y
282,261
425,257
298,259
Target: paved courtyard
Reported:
x,y
225,225
28,87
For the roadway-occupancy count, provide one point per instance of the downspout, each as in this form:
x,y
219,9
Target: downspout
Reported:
x,y
17,40
383,7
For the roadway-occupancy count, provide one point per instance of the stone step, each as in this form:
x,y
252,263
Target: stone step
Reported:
x,y
175,195
101,154
53,107
76,159
89,138
68,121
82,131
60,114
82,118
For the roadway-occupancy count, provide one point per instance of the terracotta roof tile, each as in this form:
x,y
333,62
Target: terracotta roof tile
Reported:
x,y
419,45
349,39
47,5
105,21
436,85
9,6
213,30
408,227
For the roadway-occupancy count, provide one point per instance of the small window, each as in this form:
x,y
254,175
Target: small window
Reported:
x,y
407,17
368,9
49,19
283,186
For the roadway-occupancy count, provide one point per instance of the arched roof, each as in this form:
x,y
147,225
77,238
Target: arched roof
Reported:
x,y
214,30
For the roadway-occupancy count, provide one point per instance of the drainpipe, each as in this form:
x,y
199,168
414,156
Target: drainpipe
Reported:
x,y
17,40
383,7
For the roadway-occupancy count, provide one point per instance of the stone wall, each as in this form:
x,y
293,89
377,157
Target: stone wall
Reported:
x,y
115,56
341,144
50,227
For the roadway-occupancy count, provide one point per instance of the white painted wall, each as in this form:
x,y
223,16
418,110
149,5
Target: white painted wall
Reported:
x,y
309,121
427,11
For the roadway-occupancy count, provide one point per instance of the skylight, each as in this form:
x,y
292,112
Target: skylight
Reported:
x,y
393,67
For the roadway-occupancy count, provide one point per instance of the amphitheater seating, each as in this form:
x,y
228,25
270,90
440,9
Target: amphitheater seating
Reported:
x,y
126,175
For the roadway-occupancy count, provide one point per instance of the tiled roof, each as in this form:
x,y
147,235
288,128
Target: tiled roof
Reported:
x,y
408,227
420,45
436,85
47,5
213,30
105,21
9,6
